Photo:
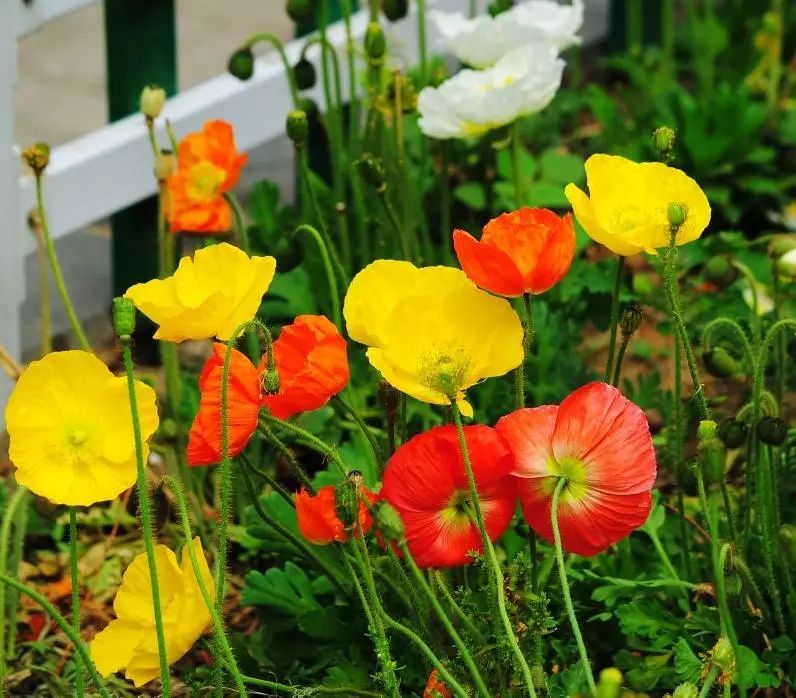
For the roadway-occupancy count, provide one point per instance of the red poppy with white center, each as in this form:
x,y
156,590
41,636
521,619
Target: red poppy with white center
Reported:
x,y
600,442
426,482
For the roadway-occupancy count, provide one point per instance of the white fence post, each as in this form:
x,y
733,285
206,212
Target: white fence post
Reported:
x,y
12,279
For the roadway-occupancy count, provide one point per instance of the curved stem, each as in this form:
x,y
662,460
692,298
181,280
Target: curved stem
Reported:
x,y
323,248
491,557
218,627
55,267
276,42
310,691
270,481
527,342
63,624
285,452
17,499
710,679
733,328
310,439
364,428
238,222
463,617
45,306
395,224
562,573
144,505
620,267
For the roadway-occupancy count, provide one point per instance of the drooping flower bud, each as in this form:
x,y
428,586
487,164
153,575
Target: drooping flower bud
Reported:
x,y
663,141
375,42
297,127
123,316
346,499
772,431
372,171
269,381
389,522
37,157
153,97
395,9
631,319
787,539
304,74
686,690
241,63
676,214
300,11
719,271
610,683
719,362
733,432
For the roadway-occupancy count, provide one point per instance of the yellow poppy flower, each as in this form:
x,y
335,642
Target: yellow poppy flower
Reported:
x,y
208,296
628,202
70,429
431,332
129,641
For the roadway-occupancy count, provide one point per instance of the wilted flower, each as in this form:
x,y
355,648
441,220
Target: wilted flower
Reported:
x,y
70,429
483,40
474,102
208,296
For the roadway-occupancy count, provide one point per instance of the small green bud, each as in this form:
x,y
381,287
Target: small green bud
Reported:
x,y
304,73
610,683
719,362
297,127
707,429
168,428
733,433
153,98
37,157
372,171
723,655
346,499
663,141
677,214
123,316
241,63
631,319
772,431
300,11
269,382
389,522
719,271
686,690
787,539
785,266
375,42
395,9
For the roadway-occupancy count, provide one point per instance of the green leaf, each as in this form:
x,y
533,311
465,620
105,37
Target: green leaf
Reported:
x,y
752,672
264,206
472,195
546,194
562,168
289,590
686,663
505,167
290,294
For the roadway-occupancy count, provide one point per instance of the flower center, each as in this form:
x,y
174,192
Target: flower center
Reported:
x,y
456,513
77,441
573,470
445,371
204,181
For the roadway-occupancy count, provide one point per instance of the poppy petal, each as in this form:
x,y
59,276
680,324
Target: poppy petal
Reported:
x,y
487,266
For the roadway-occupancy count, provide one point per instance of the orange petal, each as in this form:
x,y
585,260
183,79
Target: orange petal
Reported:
x,y
487,266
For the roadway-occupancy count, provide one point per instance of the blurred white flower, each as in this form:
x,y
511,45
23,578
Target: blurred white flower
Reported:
x,y
473,102
481,41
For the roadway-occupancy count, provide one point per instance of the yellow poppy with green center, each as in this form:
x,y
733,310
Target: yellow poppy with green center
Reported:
x,y
431,332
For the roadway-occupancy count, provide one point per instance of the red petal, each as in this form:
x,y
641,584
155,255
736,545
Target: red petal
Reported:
x,y
487,266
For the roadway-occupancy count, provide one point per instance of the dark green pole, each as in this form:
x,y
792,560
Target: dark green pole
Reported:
x,y
140,48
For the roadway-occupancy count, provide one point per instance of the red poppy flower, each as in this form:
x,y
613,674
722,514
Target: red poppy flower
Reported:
x,y
435,688
310,357
601,443
317,516
526,251
426,482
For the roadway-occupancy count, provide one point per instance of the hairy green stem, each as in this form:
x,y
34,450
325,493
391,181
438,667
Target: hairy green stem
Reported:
x,y
310,439
286,453
364,428
270,481
439,578
334,293
620,267
276,42
527,343
17,500
74,577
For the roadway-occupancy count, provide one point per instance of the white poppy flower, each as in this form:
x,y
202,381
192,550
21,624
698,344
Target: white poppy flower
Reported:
x,y
473,102
481,41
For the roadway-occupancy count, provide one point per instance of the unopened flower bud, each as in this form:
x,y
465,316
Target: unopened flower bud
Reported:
x,y
711,453
297,127
772,431
123,316
300,11
304,73
241,63
719,362
372,171
719,271
395,9
723,655
269,382
375,42
733,433
631,319
663,141
165,165
686,690
37,157
610,683
676,214
346,499
785,266
153,97
707,429
781,245
389,522
787,539
168,428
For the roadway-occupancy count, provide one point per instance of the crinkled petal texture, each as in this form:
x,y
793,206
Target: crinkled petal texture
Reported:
x,y
481,41
243,400
426,482
208,165
311,360
599,441
130,641
628,202
432,333
317,516
71,430
526,251
208,296
473,102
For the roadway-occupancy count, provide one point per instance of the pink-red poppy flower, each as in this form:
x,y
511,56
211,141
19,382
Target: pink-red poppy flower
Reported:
x,y
425,481
525,251
600,442
318,520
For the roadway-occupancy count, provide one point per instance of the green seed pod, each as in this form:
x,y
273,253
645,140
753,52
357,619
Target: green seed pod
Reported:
x,y
733,433
269,382
241,64
663,141
787,539
123,316
610,683
677,214
719,271
375,41
346,499
297,127
372,171
395,9
719,362
686,690
631,319
389,522
772,431
151,101
300,11
304,73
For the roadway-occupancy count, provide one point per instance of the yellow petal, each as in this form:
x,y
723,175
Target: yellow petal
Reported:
x,y
584,212
134,599
464,407
112,648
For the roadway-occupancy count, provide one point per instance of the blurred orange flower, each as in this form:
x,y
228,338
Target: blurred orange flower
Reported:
x,y
435,688
208,164
317,516
525,251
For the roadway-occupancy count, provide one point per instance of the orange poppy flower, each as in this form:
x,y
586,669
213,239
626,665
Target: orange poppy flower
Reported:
x,y
525,251
208,164
317,516
435,688
310,357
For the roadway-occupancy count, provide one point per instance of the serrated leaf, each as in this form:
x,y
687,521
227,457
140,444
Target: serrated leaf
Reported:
x,y
686,663
289,590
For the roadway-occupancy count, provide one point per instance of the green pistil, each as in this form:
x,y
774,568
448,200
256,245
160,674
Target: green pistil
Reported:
x,y
573,471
